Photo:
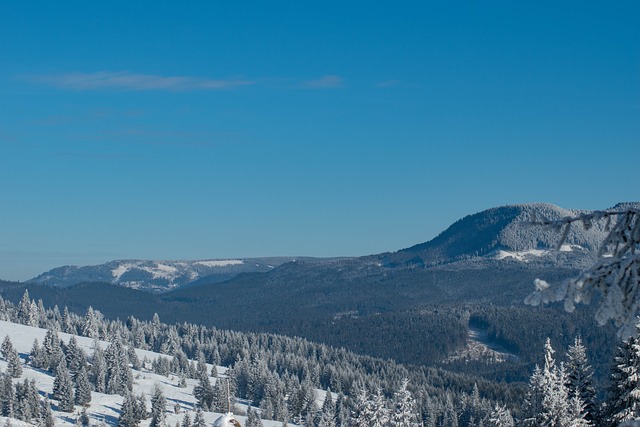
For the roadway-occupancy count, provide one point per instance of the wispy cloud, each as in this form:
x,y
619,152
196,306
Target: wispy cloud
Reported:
x,y
388,83
329,81
125,80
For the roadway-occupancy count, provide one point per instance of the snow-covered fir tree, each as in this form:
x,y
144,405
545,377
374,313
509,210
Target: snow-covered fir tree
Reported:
x,y
52,349
158,407
83,387
63,389
203,391
500,417
186,420
10,354
198,420
624,391
327,414
580,379
128,412
98,369
404,408
7,396
548,403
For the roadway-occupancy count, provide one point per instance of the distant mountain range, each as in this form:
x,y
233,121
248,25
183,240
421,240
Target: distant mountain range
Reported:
x,y
159,276
375,304
501,233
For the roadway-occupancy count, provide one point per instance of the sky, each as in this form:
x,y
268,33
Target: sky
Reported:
x,y
202,130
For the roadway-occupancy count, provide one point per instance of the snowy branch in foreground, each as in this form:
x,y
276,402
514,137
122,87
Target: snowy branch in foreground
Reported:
x,y
615,277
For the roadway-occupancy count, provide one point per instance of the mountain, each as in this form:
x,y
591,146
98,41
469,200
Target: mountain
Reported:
x,y
506,233
501,233
373,304
158,276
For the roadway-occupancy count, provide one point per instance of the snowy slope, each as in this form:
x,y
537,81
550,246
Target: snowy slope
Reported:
x,y
104,407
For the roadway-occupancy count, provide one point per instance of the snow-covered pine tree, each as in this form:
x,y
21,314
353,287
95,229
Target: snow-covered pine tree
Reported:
x,y
63,389
548,403
14,364
83,419
362,409
327,415
252,418
67,324
7,396
24,310
404,412
83,387
624,391
141,407
53,354
74,356
198,420
500,417
119,378
186,421
98,369
158,407
90,327
379,412
37,356
579,375
46,414
128,416
203,391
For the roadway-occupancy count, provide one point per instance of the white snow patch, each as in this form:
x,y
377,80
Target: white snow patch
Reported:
x,y
570,248
162,271
121,269
220,262
520,255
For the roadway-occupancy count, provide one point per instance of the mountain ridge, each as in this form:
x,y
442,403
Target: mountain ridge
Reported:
x,y
501,233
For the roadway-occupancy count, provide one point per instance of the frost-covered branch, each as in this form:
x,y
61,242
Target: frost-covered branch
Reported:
x,y
614,278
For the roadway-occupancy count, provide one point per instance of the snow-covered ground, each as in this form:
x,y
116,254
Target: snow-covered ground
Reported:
x,y
105,407
479,348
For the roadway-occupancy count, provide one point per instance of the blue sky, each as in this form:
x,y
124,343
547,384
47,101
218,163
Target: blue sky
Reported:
x,y
237,129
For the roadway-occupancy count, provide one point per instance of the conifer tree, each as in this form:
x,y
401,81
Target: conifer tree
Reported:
x,y
141,407
186,421
90,327
404,408
579,379
84,418
7,396
14,364
83,387
198,420
74,356
252,420
52,349
47,414
24,310
63,389
99,369
624,397
380,413
203,392
158,407
327,414
37,357
362,408
500,417
128,413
